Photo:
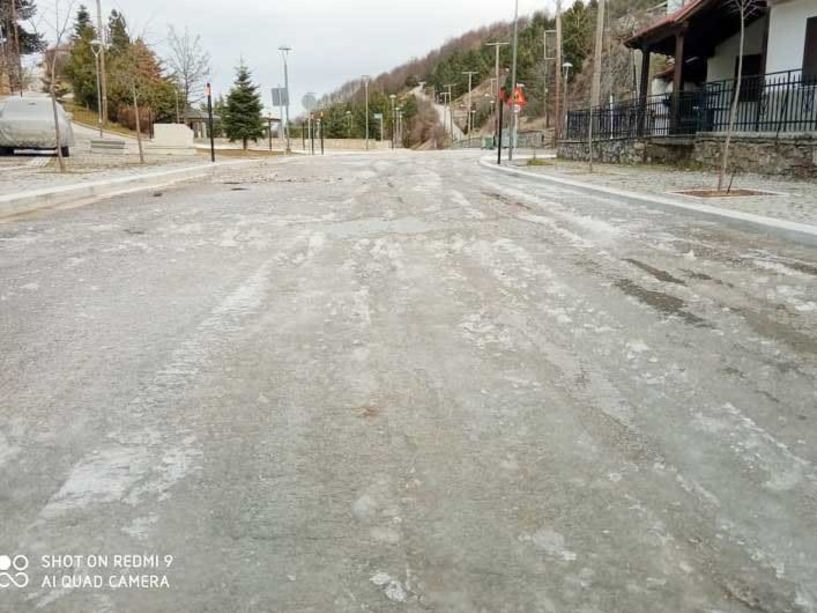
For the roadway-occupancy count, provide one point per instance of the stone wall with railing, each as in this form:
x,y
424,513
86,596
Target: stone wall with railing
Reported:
x,y
789,155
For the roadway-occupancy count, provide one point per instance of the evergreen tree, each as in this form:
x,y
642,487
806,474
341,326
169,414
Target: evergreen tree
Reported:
x,y
83,25
30,41
118,36
80,69
242,112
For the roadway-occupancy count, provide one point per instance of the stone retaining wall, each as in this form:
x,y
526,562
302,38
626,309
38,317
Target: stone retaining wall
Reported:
x,y
790,155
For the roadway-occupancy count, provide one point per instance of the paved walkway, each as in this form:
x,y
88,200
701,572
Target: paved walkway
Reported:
x,y
23,173
791,200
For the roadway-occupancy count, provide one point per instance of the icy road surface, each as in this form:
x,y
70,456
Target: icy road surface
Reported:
x,y
402,382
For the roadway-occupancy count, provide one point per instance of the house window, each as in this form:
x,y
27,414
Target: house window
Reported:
x,y
752,83
810,51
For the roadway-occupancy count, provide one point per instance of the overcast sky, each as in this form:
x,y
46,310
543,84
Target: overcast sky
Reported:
x,y
332,40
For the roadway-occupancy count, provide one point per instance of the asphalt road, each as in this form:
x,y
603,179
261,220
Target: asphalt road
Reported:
x,y
403,382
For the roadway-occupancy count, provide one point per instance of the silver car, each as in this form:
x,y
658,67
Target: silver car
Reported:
x,y
28,123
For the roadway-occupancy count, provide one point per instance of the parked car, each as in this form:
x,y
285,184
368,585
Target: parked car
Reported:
x,y
28,123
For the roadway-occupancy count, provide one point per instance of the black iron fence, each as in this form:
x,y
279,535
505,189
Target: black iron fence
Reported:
x,y
773,103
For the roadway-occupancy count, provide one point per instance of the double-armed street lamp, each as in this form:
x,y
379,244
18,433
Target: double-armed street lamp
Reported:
x,y
285,49
97,47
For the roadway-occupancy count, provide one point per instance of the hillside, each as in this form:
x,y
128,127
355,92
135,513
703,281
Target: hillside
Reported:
x,y
468,52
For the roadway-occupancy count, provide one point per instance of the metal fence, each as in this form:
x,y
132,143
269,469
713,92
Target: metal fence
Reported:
x,y
773,103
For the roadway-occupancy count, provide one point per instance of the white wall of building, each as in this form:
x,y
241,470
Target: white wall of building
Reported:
x,y
787,34
721,65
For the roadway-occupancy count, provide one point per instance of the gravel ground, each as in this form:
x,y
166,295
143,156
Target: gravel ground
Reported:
x,y
792,200
400,382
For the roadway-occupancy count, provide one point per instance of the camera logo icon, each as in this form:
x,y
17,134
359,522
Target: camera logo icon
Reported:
x,y
12,571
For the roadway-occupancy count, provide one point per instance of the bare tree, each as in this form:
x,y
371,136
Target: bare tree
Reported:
x,y
58,22
745,9
189,63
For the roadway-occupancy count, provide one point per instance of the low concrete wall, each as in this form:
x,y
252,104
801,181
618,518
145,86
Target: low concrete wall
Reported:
x,y
788,155
342,144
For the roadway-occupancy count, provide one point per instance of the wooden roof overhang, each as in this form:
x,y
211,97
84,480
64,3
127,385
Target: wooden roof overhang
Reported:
x,y
704,24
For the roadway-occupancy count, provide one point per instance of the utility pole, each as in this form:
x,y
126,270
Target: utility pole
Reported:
x,y
595,89
450,107
470,74
393,98
102,71
96,48
513,77
284,49
497,47
557,132
548,59
366,87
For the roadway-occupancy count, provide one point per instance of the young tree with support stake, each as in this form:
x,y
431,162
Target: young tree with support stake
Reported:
x,y
243,120
59,21
744,8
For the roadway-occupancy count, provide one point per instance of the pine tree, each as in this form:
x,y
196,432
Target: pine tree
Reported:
x,y
80,69
83,27
30,41
242,113
118,36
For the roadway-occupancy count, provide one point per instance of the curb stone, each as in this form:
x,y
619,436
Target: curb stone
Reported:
x,y
792,230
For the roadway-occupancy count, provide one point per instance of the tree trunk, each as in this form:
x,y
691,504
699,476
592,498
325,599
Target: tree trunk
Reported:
x,y
733,111
138,126
53,91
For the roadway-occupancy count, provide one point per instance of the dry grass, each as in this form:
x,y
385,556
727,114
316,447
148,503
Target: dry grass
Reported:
x,y
90,118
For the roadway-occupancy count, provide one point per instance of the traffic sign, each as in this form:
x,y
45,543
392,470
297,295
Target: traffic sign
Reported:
x,y
309,102
280,96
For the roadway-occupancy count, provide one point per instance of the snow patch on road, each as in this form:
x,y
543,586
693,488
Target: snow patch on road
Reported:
x,y
551,542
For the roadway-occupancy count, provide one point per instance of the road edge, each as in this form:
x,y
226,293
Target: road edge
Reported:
x,y
792,230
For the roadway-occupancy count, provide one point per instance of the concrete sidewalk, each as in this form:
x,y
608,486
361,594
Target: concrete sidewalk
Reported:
x,y
31,200
656,195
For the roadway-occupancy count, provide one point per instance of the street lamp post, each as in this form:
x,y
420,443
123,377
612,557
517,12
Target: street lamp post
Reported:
x,y
284,49
349,121
497,100
96,48
470,74
366,87
103,78
566,71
